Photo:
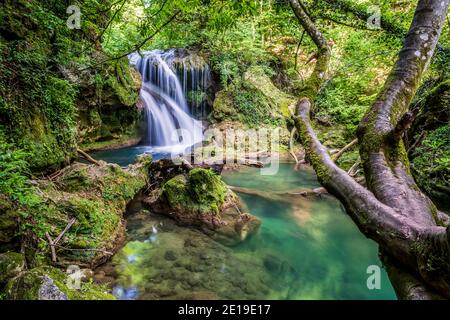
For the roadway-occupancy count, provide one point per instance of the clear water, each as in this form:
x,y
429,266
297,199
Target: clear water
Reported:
x,y
127,155
305,249
315,236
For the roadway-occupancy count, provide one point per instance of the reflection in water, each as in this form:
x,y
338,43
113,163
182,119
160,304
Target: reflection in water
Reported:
x,y
127,155
307,248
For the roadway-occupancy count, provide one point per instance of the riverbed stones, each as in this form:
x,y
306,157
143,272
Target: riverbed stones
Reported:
x,y
203,267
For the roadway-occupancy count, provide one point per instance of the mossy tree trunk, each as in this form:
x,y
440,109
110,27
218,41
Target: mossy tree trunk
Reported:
x,y
392,210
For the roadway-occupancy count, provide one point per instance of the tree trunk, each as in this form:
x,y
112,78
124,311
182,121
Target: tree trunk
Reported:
x,y
392,211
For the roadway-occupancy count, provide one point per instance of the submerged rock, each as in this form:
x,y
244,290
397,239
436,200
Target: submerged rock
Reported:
x,y
203,269
200,198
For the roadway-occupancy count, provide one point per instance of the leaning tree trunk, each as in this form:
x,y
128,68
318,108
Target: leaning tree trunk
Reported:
x,y
392,210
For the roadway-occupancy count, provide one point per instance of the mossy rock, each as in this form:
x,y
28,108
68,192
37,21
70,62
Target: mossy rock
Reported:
x,y
201,191
107,107
223,108
200,198
48,283
256,76
253,100
11,264
96,197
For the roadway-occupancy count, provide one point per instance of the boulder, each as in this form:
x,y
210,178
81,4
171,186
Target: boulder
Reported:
x,y
200,198
96,197
48,283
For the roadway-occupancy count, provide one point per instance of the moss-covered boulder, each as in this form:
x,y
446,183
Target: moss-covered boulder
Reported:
x,y
256,76
48,283
200,198
11,264
96,197
252,100
223,108
107,106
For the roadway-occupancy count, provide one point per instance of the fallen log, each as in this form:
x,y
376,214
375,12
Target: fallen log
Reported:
x,y
88,157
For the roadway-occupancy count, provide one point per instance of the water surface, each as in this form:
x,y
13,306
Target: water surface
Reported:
x,y
307,248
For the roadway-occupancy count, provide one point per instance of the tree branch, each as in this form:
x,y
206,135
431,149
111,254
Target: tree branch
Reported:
x,y
393,212
345,148
88,157
137,46
308,25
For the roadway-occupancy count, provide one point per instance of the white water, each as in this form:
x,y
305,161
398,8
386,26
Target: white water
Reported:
x,y
170,125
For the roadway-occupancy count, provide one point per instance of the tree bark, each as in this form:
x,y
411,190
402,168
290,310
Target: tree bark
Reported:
x,y
392,210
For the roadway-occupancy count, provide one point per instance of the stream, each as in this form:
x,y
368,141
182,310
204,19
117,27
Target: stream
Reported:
x,y
307,248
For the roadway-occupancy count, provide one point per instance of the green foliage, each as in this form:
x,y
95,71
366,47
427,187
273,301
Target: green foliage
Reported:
x,y
355,83
13,170
431,163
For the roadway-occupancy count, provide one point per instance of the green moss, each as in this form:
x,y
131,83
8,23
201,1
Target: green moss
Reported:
x,y
96,196
431,163
28,286
76,181
252,99
124,83
223,107
323,173
11,264
175,191
202,191
207,189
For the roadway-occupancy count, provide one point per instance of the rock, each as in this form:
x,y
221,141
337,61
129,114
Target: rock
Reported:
x,y
200,198
49,291
11,264
87,275
273,264
223,108
109,115
97,197
48,283
256,76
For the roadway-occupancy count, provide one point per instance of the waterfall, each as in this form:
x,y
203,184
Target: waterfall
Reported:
x,y
170,123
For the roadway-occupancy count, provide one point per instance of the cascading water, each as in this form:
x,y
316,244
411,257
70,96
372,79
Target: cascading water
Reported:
x,y
169,121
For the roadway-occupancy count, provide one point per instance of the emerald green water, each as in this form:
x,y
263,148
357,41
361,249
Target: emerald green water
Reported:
x,y
329,254
307,248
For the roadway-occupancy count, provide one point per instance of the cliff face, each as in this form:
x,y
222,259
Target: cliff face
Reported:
x,y
50,100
